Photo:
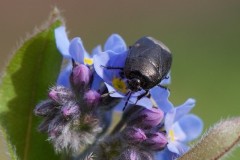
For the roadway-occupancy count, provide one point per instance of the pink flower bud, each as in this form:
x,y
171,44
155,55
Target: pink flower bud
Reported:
x,y
45,108
146,118
155,141
134,135
60,94
80,76
92,97
70,110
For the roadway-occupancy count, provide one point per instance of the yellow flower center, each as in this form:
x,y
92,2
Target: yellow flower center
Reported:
x,y
119,85
88,61
171,135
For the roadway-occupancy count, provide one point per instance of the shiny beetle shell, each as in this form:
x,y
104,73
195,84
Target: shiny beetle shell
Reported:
x,y
148,63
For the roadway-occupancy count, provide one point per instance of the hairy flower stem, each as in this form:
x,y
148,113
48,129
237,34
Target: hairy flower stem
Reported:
x,y
217,142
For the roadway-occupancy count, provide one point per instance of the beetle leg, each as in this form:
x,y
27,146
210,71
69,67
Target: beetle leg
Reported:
x,y
129,95
111,67
166,77
147,94
159,85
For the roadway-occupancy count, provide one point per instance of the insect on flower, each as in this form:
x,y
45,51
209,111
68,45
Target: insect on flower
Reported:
x,y
147,63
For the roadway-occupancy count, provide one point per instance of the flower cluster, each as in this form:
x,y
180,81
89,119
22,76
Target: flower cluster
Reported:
x,y
139,139
79,108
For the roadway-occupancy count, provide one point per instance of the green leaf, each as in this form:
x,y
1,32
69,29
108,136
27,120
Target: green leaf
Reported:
x,y
217,143
31,71
7,151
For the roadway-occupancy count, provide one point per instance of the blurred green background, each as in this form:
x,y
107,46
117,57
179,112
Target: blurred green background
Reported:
x,y
203,35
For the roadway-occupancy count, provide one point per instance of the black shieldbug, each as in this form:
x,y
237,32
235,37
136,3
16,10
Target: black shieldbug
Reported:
x,y
147,64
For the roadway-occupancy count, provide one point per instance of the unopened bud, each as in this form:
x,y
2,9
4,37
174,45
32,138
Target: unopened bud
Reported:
x,y
45,108
70,110
146,118
60,94
80,76
134,135
92,97
155,141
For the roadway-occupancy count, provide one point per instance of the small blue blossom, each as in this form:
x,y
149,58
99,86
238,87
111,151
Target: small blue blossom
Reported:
x,y
114,57
181,127
73,49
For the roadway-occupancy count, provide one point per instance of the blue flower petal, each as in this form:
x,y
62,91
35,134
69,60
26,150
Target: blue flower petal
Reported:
x,y
166,155
77,50
178,148
63,77
161,95
184,109
97,82
96,50
192,126
179,134
173,148
113,91
145,102
169,119
109,59
62,41
176,113
115,43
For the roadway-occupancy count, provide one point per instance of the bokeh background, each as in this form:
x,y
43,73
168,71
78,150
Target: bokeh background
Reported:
x,y
204,37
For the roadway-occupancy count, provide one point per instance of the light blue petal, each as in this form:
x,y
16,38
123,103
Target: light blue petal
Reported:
x,y
115,43
192,126
109,58
101,59
63,78
113,91
145,102
161,95
167,80
169,119
184,109
179,134
62,41
178,148
166,155
97,82
173,148
77,50
96,50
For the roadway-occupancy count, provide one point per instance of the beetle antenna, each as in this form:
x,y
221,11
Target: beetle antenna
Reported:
x,y
126,103
111,67
147,94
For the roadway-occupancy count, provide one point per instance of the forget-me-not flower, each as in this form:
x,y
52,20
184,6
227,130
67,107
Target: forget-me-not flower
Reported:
x,y
181,127
73,49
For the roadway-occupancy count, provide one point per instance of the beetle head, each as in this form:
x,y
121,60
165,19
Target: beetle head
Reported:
x,y
134,84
